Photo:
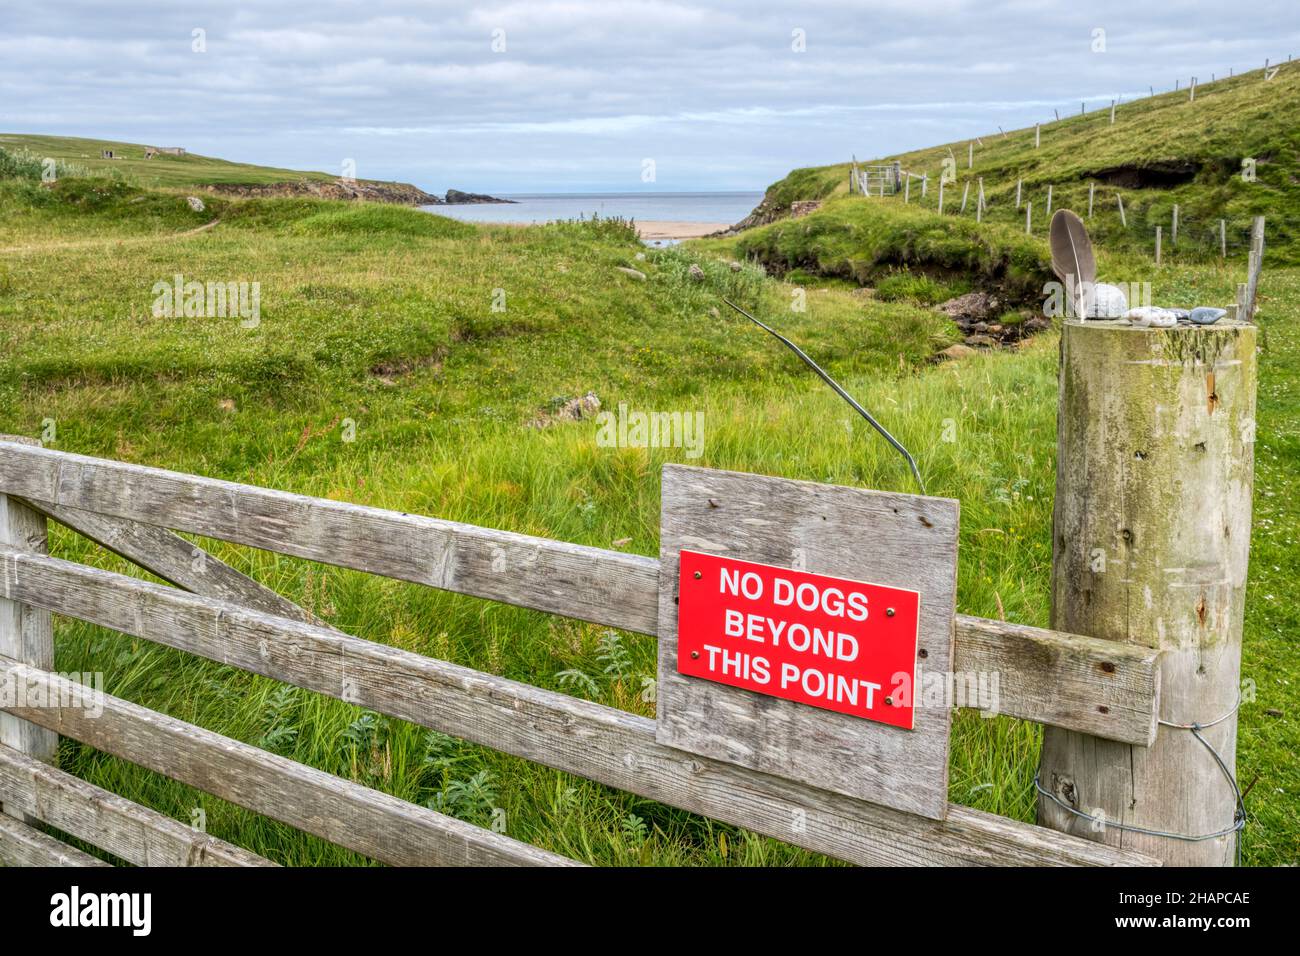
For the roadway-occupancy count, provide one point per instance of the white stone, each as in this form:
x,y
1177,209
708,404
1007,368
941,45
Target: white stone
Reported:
x,y
1106,302
1153,316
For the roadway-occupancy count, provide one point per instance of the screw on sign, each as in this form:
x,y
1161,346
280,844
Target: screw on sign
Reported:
x,y
842,645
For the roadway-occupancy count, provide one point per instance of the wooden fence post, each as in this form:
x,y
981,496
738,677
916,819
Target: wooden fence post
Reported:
x,y
26,632
1133,562
1255,265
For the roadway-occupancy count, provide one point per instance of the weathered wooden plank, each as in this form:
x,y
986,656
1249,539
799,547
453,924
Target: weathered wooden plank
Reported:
x,y
1048,677
21,845
26,631
173,559
569,579
368,821
128,830
1064,680
601,743
900,541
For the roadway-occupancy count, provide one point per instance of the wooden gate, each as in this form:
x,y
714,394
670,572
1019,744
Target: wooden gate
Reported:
x,y
707,752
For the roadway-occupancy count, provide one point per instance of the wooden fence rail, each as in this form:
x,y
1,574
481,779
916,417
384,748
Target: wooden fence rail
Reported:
x,y
591,740
353,816
1092,686
129,831
1048,677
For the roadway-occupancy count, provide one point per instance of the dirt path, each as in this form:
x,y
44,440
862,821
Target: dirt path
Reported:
x,y
93,243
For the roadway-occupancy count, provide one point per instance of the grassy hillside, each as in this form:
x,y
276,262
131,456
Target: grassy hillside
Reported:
x,y
129,162
81,158
1160,151
386,317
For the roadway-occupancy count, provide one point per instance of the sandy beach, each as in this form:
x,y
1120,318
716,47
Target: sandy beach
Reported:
x,y
651,230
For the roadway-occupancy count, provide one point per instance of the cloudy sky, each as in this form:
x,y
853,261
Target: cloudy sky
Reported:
x,y
576,95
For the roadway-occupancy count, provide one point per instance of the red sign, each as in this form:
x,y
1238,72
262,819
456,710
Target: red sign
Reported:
x,y
842,645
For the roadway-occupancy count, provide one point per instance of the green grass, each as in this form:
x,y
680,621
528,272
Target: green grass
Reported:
x,y
853,239
80,156
1230,120
385,316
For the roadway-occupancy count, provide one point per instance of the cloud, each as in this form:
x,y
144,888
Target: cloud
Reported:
x,y
575,92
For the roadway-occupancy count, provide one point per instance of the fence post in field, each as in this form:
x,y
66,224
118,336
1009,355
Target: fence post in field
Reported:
x,y
1223,238
1132,565
1092,189
907,188
1159,230
1029,216
26,632
941,195
965,194
1173,228
1049,202
1255,263
1018,184
1123,219
1112,112
1038,130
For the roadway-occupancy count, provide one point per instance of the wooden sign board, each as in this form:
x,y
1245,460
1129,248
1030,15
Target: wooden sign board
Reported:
x,y
889,544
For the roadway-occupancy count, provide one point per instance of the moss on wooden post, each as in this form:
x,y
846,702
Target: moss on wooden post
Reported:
x,y
1155,468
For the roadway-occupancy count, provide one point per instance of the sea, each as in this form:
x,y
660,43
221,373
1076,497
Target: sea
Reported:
x,y
728,207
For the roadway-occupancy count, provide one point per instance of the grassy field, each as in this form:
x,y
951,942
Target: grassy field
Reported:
x,y
77,156
384,316
1183,151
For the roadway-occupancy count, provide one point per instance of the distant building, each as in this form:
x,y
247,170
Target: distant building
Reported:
x,y
151,151
106,154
